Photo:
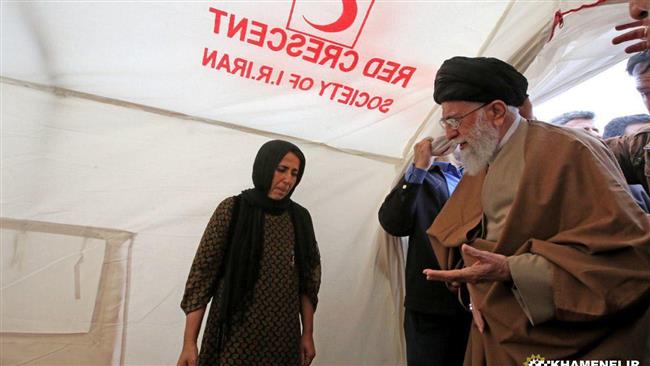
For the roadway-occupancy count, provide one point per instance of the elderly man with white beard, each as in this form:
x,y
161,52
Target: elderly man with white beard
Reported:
x,y
541,231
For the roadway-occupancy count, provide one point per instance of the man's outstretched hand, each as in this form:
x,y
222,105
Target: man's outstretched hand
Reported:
x,y
489,267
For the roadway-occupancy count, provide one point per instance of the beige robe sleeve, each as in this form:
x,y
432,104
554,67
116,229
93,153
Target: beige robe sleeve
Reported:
x,y
532,276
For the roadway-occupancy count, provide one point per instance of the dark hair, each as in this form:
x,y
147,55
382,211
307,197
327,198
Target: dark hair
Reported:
x,y
616,127
638,64
564,118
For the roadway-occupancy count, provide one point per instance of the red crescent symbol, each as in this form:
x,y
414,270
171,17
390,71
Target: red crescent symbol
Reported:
x,y
346,19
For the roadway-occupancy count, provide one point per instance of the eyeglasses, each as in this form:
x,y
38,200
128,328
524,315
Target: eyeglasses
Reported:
x,y
454,122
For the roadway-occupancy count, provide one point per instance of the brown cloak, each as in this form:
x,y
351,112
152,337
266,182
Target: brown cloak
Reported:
x,y
572,208
633,155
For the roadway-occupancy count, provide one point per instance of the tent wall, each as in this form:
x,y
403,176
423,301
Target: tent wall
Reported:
x,y
579,50
69,160
64,293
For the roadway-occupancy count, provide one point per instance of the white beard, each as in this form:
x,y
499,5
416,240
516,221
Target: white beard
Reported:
x,y
481,146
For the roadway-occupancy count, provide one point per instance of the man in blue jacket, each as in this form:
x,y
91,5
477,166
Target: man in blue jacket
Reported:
x,y
435,324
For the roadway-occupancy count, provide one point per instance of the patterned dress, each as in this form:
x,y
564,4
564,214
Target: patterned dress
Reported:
x,y
269,333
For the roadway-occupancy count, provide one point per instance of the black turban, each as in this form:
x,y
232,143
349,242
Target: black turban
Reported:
x,y
479,79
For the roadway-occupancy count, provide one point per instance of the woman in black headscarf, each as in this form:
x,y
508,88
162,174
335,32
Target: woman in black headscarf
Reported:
x,y
259,262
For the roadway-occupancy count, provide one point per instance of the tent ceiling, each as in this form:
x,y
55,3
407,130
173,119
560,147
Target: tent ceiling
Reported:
x,y
266,66
153,53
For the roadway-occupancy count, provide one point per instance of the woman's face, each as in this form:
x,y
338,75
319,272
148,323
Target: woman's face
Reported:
x,y
285,176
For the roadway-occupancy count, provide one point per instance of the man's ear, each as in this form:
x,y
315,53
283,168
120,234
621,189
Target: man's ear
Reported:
x,y
497,112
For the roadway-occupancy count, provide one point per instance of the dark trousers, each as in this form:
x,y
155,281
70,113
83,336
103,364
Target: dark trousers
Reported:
x,y
435,340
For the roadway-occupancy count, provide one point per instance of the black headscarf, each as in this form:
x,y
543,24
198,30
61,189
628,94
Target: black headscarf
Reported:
x,y
246,234
479,79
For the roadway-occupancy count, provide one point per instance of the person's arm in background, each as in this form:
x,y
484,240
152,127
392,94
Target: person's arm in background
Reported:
x,y
630,153
397,213
638,29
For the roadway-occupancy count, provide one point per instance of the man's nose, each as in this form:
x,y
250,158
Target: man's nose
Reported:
x,y
639,9
450,133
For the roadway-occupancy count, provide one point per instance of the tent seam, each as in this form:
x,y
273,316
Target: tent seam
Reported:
x,y
64,92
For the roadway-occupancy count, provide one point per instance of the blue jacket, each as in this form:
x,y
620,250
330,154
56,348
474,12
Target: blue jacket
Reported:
x,y
408,210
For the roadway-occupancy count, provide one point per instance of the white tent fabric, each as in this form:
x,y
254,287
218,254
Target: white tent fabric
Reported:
x,y
578,45
70,309
64,308
161,178
116,135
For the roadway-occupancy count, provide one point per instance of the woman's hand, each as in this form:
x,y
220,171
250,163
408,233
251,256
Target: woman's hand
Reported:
x,y
190,352
307,349
189,355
